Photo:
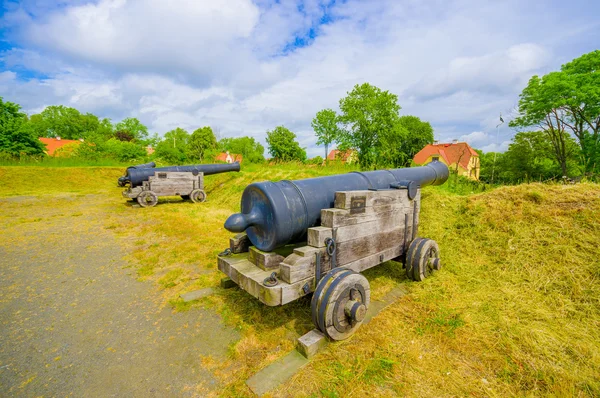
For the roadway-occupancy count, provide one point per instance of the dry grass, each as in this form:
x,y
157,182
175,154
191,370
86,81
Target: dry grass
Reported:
x,y
516,310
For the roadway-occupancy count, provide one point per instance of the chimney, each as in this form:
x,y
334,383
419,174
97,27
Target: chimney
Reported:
x,y
455,141
57,138
435,142
81,139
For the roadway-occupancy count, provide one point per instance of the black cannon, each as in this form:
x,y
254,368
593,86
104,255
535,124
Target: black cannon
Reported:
x,y
150,165
276,213
136,176
317,236
121,181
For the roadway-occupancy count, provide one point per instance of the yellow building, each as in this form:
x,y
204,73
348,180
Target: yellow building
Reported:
x,y
458,156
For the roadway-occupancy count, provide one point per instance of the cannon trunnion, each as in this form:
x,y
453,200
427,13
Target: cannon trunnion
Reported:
x,y
359,229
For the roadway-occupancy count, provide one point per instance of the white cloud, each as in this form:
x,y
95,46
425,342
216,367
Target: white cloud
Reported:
x,y
230,65
502,147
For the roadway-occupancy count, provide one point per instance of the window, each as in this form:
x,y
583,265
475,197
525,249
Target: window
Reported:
x,y
436,158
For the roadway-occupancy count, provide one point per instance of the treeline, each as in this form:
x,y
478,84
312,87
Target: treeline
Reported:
x,y
125,141
558,126
369,122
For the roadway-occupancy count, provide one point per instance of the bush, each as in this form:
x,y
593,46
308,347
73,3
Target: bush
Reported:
x,y
316,160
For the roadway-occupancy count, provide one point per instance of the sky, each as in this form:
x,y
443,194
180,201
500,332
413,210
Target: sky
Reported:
x,y
244,67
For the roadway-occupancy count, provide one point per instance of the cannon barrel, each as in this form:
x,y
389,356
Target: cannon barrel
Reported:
x,y
276,213
150,165
136,177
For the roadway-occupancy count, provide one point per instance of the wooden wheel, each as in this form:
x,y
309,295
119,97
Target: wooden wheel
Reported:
x,y
147,199
197,196
423,259
340,303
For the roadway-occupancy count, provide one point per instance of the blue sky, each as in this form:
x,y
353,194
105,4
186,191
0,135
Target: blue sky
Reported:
x,y
244,67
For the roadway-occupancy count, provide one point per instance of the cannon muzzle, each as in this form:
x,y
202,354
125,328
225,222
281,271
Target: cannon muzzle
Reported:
x,y
135,176
276,213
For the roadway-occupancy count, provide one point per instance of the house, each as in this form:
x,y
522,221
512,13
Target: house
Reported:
x,y
458,156
52,144
228,158
348,156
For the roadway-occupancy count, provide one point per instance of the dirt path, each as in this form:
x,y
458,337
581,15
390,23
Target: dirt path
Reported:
x,y
74,321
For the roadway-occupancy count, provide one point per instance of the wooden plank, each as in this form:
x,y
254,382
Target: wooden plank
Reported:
x,y
293,291
301,264
317,236
334,218
382,224
173,175
239,243
375,259
343,199
270,260
355,249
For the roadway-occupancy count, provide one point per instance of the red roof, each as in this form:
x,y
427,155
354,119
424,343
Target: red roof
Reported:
x,y
459,152
222,157
336,154
52,144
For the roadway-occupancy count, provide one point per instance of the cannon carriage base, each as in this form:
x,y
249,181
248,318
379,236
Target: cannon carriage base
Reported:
x,y
363,230
188,185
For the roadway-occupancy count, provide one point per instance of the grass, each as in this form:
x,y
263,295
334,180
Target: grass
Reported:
x,y
515,310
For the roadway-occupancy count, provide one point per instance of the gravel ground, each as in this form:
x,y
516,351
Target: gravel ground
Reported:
x,y
74,321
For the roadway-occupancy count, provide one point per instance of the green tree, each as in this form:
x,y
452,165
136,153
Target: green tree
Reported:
x,y
581,95
401,143
173,147
250,149
16,135
64,122
325,125
529,157
540,107
130,129
564,102
418,134
201,143
367,114
283,145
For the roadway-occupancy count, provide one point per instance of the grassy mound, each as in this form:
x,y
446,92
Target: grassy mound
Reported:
x,y
515,310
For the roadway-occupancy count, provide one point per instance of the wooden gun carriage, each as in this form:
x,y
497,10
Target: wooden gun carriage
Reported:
x,y
147,184
363,228
188,185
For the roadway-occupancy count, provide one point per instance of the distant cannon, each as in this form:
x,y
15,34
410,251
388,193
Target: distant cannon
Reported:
x,y
316,236
150,165
136,176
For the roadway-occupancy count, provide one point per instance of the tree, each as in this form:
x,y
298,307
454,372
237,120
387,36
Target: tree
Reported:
x,y
16,135
566,102
540,107
529,157
581,96
201,142
173,147
283,145
400,144
418,134
250,149
367,114
130,129
64,122
325,125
